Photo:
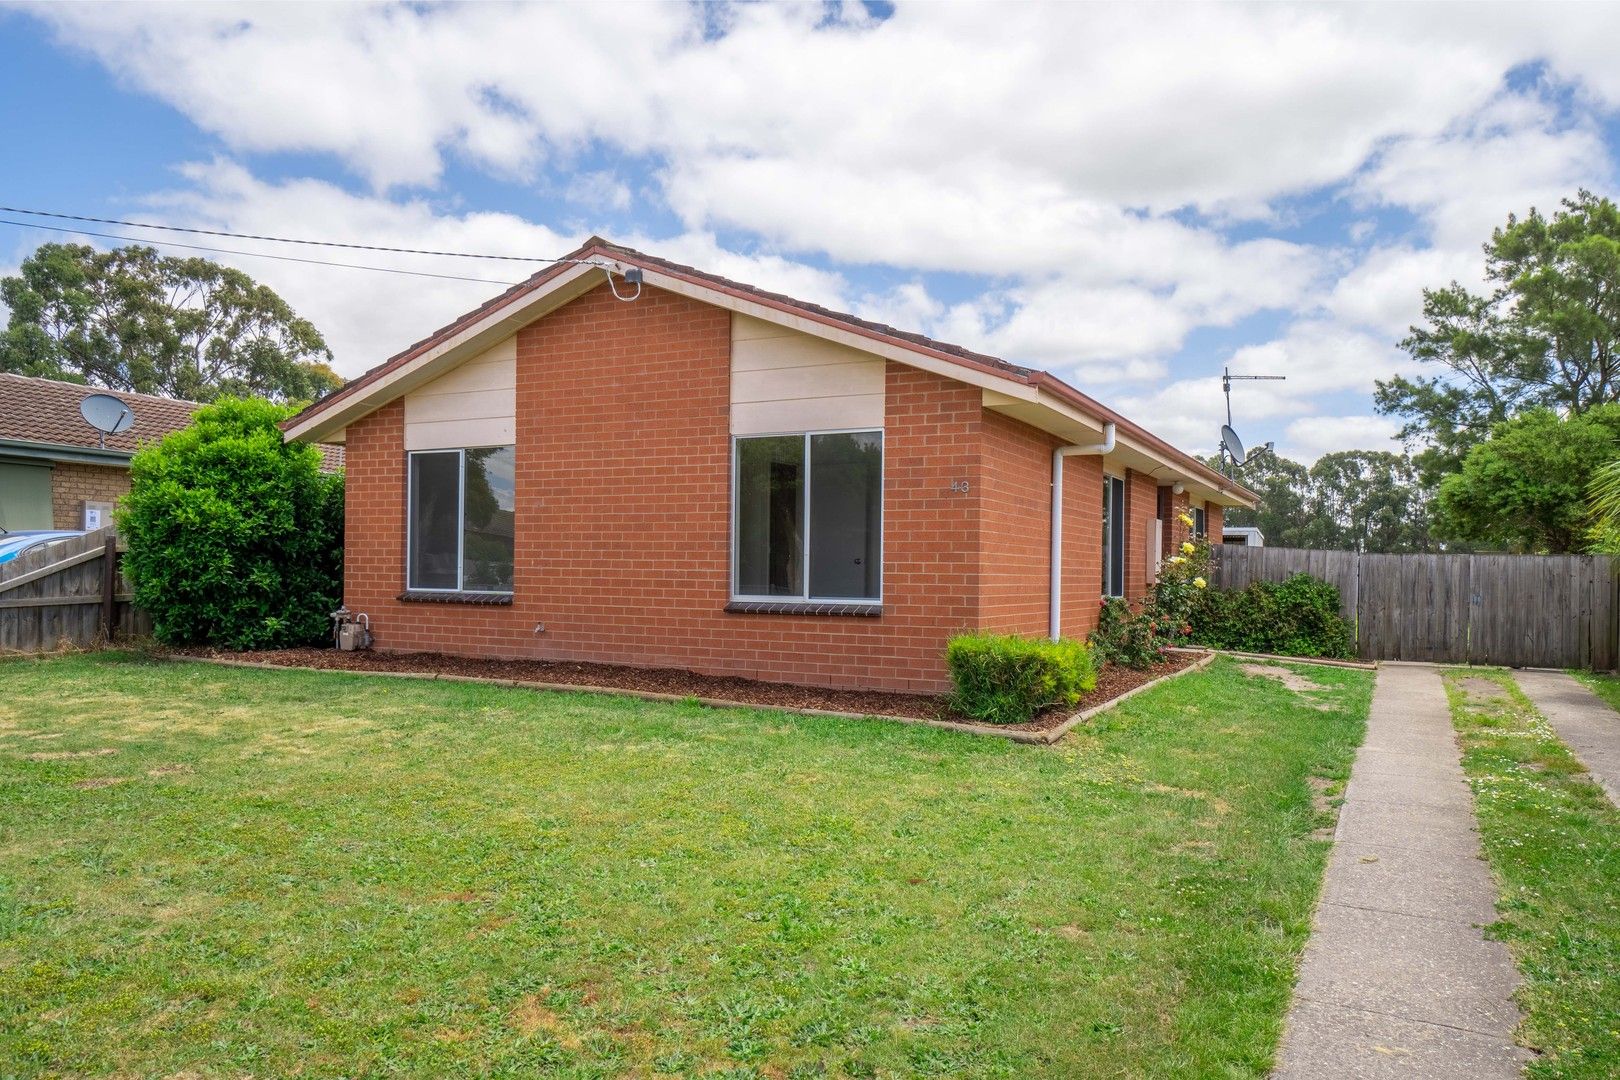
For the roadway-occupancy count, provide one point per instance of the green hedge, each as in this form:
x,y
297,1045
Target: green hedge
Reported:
x,y
1296,617
1007,679
235,535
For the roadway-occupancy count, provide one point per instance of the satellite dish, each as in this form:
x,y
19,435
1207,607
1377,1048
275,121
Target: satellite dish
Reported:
x,y
106,414
1233,444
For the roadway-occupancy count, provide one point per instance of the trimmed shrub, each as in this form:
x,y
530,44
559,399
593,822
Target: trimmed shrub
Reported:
x,y
1296,617
1141,639
235,535
1129,639
1007,679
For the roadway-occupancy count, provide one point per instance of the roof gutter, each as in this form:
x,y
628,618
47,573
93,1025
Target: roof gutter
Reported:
x,y
43,451
1056,589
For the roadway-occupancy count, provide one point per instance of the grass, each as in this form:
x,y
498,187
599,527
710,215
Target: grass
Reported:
x,y
1553,841
339,875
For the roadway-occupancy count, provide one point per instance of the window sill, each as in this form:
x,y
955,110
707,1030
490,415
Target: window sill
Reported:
x,y
481,599
801,607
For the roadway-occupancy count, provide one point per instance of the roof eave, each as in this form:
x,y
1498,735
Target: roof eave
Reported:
x,y
1196,470
46,451
551,288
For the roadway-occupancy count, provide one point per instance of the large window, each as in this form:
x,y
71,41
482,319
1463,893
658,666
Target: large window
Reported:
x,y
1113,561
808,519
461,509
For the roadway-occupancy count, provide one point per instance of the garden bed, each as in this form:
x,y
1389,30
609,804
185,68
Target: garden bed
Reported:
x,y
1112,682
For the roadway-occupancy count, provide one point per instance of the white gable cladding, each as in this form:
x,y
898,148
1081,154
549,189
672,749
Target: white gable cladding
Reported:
x,y
474,404
785,380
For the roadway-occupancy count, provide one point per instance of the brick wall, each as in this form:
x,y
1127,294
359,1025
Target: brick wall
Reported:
x,y
73,484
1214,521
1016,513
1172,507
622,520
1141,510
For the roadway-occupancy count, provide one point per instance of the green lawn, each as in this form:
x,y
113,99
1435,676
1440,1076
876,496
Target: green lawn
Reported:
x,y
340,875
1553,841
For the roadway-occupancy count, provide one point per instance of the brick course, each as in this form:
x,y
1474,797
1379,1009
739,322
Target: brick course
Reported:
x,y
623,464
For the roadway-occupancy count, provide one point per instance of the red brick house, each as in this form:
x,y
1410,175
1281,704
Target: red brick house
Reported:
x,y
713,477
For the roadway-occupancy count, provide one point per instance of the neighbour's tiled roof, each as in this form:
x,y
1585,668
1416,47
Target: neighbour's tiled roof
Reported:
x,y
47,411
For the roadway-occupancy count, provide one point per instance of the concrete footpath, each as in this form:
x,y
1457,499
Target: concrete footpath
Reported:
x,y
1397,979
1583,721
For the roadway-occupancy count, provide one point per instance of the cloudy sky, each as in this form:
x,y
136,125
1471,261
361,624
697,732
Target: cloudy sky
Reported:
x,y
1131,197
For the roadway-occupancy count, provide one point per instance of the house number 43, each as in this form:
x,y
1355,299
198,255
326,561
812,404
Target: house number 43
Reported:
x,y
959,487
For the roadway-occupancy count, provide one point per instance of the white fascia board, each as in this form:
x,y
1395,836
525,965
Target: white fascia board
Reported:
x,y
1051,414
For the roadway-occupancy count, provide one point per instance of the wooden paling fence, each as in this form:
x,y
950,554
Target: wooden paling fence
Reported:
x,y
1513,610
69,593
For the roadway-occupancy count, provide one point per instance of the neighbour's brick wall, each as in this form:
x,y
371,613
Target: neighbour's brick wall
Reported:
x,y
623,480
72,485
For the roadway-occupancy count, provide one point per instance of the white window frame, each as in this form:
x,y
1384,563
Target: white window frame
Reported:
x,y
1200,527
461,522
1109,479
803,596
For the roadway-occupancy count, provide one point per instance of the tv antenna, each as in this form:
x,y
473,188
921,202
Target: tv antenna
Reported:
x,y
107,415
1232,452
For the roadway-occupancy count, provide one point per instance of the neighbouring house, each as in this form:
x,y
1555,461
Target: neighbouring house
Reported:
x,y
626,460
55,472
1243,536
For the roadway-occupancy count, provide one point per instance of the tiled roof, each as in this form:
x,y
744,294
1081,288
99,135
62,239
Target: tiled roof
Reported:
x,y
47,411
596,247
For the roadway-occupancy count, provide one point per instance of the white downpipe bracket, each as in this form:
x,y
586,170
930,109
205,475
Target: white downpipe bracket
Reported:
x,y
1056,591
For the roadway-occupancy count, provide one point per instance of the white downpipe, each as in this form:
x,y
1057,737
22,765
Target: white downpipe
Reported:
x,y
1056,591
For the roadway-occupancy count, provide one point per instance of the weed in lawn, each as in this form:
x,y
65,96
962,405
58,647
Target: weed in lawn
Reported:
x,y
361,876
1553,842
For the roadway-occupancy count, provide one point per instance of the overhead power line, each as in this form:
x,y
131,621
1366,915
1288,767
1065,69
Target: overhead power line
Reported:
x,y
290,240
257,254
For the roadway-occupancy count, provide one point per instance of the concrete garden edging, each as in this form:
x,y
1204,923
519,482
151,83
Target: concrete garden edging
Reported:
x,y
1029,738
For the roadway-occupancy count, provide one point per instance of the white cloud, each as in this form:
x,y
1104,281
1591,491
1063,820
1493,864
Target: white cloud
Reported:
x,y
1115,176
599,190
1308,439
367,317
1508,156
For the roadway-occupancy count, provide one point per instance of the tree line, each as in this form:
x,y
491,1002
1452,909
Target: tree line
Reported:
x,y
1514,439
131,319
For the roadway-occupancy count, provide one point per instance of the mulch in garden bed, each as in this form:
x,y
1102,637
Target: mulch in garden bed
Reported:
x,y
1112,681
